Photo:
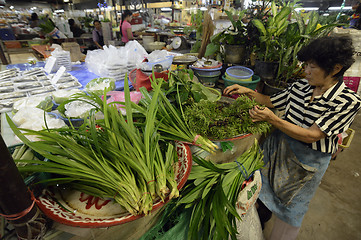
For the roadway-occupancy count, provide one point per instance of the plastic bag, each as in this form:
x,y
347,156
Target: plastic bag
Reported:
x,y
161,57
77,109
98,85
117,96
33,118
63,95
42,102
135,52
115,62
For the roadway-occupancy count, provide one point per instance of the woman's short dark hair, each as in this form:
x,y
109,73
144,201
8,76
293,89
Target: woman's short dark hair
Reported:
x,y
326,52
96,21
71,22
34,17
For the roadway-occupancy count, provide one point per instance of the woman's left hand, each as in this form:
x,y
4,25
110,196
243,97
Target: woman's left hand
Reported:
x,y
260,114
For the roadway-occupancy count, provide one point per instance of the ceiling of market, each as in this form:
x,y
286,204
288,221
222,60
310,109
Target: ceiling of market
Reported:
x,y
322,4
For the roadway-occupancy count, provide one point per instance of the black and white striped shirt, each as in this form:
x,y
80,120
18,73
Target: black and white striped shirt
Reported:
x,y
333,111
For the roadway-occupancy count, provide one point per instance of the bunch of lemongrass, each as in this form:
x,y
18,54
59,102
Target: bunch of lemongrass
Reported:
x,y
109,158
171,120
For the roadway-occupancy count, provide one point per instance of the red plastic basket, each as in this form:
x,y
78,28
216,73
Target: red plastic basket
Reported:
x,y
140,79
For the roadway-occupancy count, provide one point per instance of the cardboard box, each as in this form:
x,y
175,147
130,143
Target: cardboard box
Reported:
x,y
74,49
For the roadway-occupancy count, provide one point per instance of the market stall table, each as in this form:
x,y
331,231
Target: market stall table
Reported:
x,y
80,71
42,51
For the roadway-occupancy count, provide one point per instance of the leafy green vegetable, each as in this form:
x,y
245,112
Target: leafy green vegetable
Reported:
x,y
213,192
217,120
182,89
109,158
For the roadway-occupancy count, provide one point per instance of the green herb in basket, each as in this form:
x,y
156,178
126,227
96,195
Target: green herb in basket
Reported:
x,y
220,120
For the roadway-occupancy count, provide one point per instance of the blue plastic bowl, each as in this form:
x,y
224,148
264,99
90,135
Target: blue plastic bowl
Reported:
x,y
239,72
205,69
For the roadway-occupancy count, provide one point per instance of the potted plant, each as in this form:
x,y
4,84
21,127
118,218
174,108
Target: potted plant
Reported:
x,y
196,20
234,39
280,42
268,50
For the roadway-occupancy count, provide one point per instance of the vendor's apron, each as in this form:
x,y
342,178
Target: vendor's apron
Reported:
x,y
291,176
101,39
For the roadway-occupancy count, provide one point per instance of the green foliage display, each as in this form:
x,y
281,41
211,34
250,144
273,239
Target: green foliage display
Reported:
x,y
196,21
234,35
281,39
46,25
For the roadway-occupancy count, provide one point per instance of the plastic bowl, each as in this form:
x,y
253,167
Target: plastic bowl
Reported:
x,y
209,80
239,73
250,84
75,122
206,71
238,79
208,74
166,63
156,46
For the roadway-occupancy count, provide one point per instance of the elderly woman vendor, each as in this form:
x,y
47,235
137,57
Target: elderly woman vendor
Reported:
x,y
298,152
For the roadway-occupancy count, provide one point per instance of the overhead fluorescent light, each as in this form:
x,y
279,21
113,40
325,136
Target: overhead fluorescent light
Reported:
x,y
59,11
203,9
66,1
166,9
339,8
11,7
307,9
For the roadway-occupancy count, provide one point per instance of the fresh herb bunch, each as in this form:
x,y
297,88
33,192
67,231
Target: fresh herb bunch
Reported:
x,y
213,192
181,88
108,158
218,120
169,119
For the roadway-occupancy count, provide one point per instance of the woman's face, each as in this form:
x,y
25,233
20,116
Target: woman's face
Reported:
x,y
315,75
97,25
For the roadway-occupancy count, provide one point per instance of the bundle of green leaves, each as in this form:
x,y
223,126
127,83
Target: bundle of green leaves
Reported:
x,y
212,194
181,88
219,120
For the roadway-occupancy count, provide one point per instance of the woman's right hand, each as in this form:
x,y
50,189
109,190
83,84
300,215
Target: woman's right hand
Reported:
x,y
236,89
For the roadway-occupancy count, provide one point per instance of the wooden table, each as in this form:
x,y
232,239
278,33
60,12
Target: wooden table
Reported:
x,y
42,51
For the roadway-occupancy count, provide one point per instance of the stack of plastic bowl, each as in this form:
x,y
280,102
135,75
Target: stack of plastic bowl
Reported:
x,y
208,76
242,76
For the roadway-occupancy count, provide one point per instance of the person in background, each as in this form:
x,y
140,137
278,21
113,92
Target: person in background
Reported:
x,y
34,20
77,31
355,21
126,27
98,34
297,154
